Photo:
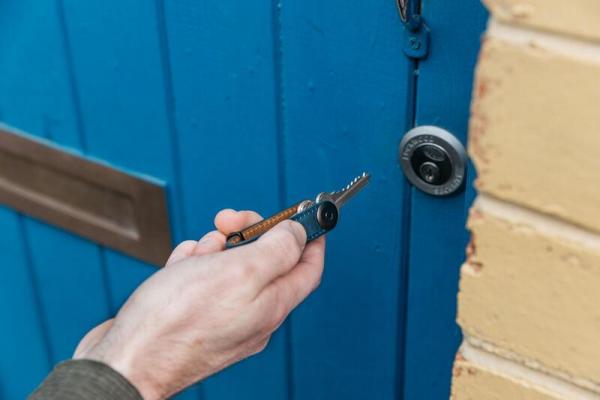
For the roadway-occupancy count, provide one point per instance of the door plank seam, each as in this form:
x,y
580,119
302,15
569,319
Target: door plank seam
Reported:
x,y
279,98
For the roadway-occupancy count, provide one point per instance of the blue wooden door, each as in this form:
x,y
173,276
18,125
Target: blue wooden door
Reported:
x,y
249,105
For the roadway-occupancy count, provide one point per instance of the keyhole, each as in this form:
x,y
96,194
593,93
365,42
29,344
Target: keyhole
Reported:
x,y
429,172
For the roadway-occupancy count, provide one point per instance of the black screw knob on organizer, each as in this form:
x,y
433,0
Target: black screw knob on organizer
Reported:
x,y
327,215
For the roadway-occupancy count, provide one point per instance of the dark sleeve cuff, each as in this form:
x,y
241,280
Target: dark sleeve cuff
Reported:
x,y
85,380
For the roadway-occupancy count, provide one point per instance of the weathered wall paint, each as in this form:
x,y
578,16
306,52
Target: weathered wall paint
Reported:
x,y
529,292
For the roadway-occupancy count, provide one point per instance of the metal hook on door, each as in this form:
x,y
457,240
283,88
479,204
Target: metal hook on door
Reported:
x,y
417,32
402,4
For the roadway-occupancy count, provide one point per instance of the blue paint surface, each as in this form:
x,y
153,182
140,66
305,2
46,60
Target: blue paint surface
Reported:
x,y
250,105
23,344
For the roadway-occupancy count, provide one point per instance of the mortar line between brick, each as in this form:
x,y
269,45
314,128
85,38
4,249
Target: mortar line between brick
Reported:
x,y
548,224
559,44
486,355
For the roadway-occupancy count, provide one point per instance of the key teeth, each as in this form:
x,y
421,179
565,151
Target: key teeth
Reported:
x,y
356,179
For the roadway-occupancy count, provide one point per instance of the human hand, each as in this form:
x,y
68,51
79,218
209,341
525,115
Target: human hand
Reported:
x,y
208,308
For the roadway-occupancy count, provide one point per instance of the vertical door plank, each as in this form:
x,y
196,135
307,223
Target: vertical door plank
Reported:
x,y
119,72
345,85
69,273
34,90
117,69
25,358
438,236
222,63
35,97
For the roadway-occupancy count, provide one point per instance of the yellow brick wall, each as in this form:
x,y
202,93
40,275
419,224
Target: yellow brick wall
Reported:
x,y
529,301
566,17
474,382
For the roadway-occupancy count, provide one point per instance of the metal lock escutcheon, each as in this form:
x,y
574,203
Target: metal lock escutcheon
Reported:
x,y
433,160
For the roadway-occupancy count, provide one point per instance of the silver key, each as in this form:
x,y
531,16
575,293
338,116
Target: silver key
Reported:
x,y
341,197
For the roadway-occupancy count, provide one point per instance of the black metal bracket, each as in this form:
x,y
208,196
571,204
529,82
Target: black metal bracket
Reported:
x,y
417,32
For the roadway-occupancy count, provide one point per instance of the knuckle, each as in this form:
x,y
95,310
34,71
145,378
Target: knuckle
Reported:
x,y
279,316
185,247
238,271
318,279
260,346
212,235
263,344
316,283
186,244
244,272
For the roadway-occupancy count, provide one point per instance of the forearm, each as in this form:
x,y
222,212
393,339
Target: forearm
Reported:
x,y
85,380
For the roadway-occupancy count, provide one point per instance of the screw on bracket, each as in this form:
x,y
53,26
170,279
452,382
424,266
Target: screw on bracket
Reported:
x,y
415,43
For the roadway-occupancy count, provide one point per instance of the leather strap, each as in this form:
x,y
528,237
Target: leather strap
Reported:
x,y
255,230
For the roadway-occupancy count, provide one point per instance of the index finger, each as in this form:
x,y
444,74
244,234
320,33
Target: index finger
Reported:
x,y
228,220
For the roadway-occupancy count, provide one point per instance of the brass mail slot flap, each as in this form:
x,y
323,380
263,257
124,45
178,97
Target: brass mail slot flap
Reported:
x,y
93,200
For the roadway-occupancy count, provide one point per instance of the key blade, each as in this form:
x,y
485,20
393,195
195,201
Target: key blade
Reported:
x,y
341,197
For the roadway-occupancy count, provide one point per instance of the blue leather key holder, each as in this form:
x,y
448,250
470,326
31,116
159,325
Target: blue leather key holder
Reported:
x,y
317,220
317,217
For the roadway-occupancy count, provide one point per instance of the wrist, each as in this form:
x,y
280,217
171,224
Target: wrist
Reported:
x,y
125,362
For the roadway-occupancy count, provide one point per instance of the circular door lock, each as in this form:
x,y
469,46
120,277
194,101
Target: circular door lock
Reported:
x,y
433,160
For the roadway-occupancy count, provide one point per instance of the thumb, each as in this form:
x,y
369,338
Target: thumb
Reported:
x,y
288,233
274,254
